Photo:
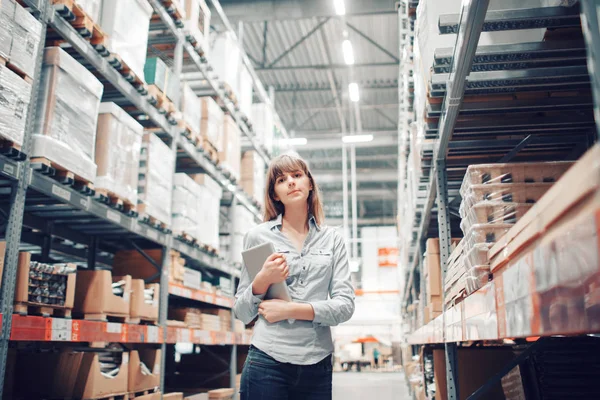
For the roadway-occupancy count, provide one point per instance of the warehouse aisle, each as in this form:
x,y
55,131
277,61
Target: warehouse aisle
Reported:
x,y
369,385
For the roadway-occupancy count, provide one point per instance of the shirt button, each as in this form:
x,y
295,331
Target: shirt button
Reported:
x,y
302,282
304,268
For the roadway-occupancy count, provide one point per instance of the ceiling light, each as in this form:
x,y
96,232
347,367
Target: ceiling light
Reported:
x,y
357,138
348,52
340,7
300,141
353,90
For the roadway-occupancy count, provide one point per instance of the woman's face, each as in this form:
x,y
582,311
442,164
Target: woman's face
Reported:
x,y
292,188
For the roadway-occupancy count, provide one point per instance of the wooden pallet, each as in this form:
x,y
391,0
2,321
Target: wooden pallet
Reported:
x,y
159,99
141,393
82,22
138,83
107,317
143,321
229,93
10,149
22,74
46,310
175,11
186,238
114,200
209,249
123,396
189,133
210,150
151,220
50,168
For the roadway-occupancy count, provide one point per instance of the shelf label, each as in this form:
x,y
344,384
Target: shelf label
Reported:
x,y
152,334
124,334
75,330
61,329
61,192
113,327
84,202
202,337
9,169
113,216
184,335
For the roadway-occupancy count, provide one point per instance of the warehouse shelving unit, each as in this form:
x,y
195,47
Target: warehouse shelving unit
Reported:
x,y
468,69
60,222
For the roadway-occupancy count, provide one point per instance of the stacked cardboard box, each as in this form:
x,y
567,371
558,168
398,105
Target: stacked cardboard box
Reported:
x,y
127,27
231,154
91,7
197,22
192,317
253,175
211,127
211,203
188,210
156,179
226,58
191,108
433,278
245,87
118,147
223,315
133,263
13,110
546,267
68,103
494,198
97,295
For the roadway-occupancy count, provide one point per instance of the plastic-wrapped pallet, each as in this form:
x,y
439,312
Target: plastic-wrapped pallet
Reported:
x,y
243,221
245,91
197,21
156,179
211,126
7,12
253,175
264,123
16,95
232,151
27,33
187,206
226,59
126,23
191,108
91,8
211,203
68,102
118,146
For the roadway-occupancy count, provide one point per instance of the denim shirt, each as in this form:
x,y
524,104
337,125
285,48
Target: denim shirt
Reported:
x,y
319,276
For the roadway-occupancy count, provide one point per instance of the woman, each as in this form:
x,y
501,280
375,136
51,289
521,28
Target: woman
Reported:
x,y
291,352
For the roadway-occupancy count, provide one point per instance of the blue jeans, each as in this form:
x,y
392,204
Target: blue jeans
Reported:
x,y
264,378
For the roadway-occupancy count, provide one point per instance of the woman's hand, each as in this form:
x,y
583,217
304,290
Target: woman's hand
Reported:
x,y
274,310
274,270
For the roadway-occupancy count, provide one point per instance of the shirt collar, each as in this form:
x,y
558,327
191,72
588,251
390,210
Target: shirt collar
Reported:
x,y
278,222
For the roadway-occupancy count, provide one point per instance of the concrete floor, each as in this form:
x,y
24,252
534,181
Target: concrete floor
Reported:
x,y
370,385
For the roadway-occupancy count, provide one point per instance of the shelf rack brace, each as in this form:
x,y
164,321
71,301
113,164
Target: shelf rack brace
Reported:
x,y
591,31
47,243
508,157
92,250
148,258
17,210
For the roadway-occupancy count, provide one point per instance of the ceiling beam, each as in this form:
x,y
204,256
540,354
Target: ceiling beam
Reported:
x,y
324,88
336,143
382,193
316,28
362,106
362,175
373,42
377,221
271,10
326,66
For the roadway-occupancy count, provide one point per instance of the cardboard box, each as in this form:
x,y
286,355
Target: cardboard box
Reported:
x,y
221,394
94,297
140,310
173,396
137,380
151,396
91,384
579,182
475,367
133,263
22,287
199,396
16,94
211,126
433,275
192,278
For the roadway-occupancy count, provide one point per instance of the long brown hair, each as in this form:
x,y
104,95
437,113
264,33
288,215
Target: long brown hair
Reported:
x,y
286,163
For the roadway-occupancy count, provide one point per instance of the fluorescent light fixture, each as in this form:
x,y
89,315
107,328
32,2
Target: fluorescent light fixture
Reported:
x,y
340,7
299,141
348,52
353,90
357,138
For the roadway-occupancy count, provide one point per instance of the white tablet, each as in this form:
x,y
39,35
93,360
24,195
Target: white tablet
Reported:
x,y
254,259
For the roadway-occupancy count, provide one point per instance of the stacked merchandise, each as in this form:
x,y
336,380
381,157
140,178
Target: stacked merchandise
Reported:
x,y
253,175
191,317
192,278
433,279
231,154
197,23
127,26
144,370
264,124
455,282
243,220
212,323
494,198
211,127
224,317
91,7
188,212
132,262
211,205
99,294
156,179
118,146
191,110
20,35
225,57
245,87
162,81
65,126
